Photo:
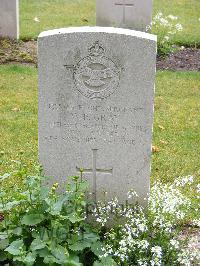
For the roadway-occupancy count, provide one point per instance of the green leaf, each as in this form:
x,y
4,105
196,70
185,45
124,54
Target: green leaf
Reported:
x,y
3,235
37,244
30,259
17,231
105,261
4,243
50,259
44,191
80,245
57,207
74,218
44,234
96,248
91,236
33,219
15,247
60,253
43,252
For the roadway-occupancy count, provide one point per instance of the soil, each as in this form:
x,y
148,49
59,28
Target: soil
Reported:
x,y
186,59
19,52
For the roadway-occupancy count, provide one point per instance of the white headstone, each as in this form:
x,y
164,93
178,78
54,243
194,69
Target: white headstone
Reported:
x,y
96,94
9,19
131,14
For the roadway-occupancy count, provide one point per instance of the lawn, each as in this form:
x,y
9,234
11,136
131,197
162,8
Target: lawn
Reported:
x,y
176,127
64,13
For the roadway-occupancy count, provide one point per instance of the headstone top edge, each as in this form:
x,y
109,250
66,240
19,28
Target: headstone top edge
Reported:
x,y
94,29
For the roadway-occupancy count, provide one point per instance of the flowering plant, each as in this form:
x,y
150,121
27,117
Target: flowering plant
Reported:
x,y
150,235
39,226
165,27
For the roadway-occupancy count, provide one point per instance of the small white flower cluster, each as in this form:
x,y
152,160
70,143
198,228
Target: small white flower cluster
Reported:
x,y
187,257
183,181
132,194
142,236
157,256
165,27
196,222
103,212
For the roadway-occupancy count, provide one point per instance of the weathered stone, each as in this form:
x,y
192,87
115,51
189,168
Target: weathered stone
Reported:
x,y
132,14
96,93
9,18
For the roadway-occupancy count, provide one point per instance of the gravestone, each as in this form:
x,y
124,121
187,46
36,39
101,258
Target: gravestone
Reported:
x,y
132,14
9,19
96,94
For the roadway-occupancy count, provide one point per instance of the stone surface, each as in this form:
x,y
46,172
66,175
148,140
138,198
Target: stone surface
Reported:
x,y
9,19
96,93
132,14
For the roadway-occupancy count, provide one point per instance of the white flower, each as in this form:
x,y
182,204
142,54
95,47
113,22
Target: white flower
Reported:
x,y
172,17
179,27
174,243
196,222
164,22
36,19
157,250
131,194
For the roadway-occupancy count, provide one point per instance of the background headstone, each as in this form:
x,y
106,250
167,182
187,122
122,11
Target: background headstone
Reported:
x,y
96,94
131,14
9,19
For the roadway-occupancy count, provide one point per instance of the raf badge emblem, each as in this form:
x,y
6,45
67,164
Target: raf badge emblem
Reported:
x,y
96,76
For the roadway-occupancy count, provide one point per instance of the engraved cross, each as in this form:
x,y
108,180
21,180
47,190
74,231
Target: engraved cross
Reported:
x,y
124,5
94,170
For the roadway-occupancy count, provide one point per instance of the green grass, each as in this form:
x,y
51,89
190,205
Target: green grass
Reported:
x,y
176,127
18,113
64,13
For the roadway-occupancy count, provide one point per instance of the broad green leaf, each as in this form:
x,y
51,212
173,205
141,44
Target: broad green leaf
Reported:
x,y
3,235
30,259
43,252
60,253
37,244
4,243
80,245
50,260
44,235
57,207
15,247
33,219
74,218
96,248
44,191
105,261
91,236
17,231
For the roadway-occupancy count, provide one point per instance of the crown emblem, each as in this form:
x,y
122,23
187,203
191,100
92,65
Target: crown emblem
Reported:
x,y
96,49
